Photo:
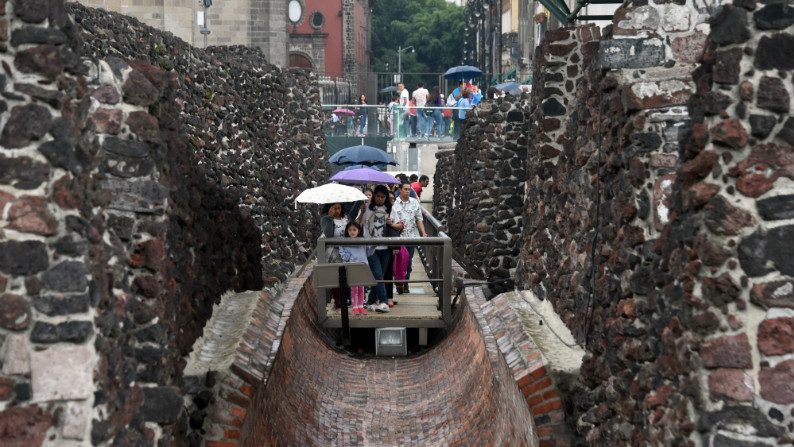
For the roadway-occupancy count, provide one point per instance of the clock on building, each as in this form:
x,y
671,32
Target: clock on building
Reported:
x,y
295,11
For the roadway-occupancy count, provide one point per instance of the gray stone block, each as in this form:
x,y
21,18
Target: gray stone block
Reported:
x,y
62,373
631,53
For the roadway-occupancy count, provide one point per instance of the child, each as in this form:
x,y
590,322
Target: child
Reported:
x,y
355,253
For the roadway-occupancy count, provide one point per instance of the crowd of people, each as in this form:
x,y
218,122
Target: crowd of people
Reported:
x,y
420,114
429,114
388,212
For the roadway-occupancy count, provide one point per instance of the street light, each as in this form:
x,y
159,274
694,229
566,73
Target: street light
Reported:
x,y
205,30
400,60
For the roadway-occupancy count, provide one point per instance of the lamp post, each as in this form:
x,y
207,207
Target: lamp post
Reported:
x,y
400,60
205,30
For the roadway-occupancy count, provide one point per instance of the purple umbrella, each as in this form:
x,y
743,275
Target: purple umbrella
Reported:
x,y
364,176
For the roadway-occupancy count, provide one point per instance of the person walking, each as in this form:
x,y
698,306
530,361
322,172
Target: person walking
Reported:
x,y
362,116
402,117
377,223
460,114
408,212
355,253
332,224
436,118
420,96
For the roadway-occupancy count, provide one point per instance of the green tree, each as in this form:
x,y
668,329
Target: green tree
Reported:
x,y
433,27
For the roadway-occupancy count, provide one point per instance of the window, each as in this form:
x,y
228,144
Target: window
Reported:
x,y
317,20
295,11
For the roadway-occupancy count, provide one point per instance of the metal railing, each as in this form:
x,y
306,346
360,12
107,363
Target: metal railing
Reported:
x,y
435,251
396,122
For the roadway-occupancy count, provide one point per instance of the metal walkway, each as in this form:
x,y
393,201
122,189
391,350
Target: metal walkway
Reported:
x,y
420,305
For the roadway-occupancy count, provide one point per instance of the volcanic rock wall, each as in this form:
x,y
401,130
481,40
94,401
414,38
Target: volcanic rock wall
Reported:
x,y
726,261
136,186
665,245
478,189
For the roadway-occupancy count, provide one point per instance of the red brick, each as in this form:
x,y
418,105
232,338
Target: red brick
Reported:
x,y
232,434
538,372
551,394
538,385
777,384
546,407
731,384
247,390
238,412
524,380
776,336
236,398
534,400
727,352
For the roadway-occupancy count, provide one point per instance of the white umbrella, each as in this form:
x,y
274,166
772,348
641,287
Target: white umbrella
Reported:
x,y
331,193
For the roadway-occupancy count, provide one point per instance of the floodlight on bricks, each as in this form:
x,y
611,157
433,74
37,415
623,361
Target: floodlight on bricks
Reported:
x,y
391,341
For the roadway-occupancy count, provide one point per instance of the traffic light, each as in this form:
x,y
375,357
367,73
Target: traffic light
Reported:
x,y
207,3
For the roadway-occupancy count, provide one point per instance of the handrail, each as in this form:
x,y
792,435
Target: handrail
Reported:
x,y
382,106
435,250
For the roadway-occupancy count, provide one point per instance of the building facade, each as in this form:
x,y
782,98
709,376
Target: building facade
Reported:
x,y
332,37
256,23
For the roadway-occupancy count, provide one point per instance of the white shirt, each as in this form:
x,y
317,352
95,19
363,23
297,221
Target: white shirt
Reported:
x,y
408,213
404,98
420,95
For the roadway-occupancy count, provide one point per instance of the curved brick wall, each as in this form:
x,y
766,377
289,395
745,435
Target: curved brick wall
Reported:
x,y
460,392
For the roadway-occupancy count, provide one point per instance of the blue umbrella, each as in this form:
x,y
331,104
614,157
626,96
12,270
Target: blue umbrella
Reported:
x,y
463,72
351,167
361,154
512,88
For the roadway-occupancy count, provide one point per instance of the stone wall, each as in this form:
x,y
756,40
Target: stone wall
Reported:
x,y
649,264
725,261
137,185
657,219
481,203
443,179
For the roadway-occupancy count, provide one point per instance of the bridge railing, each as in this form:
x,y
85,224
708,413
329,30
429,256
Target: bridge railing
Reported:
x,y
400,123
435,251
